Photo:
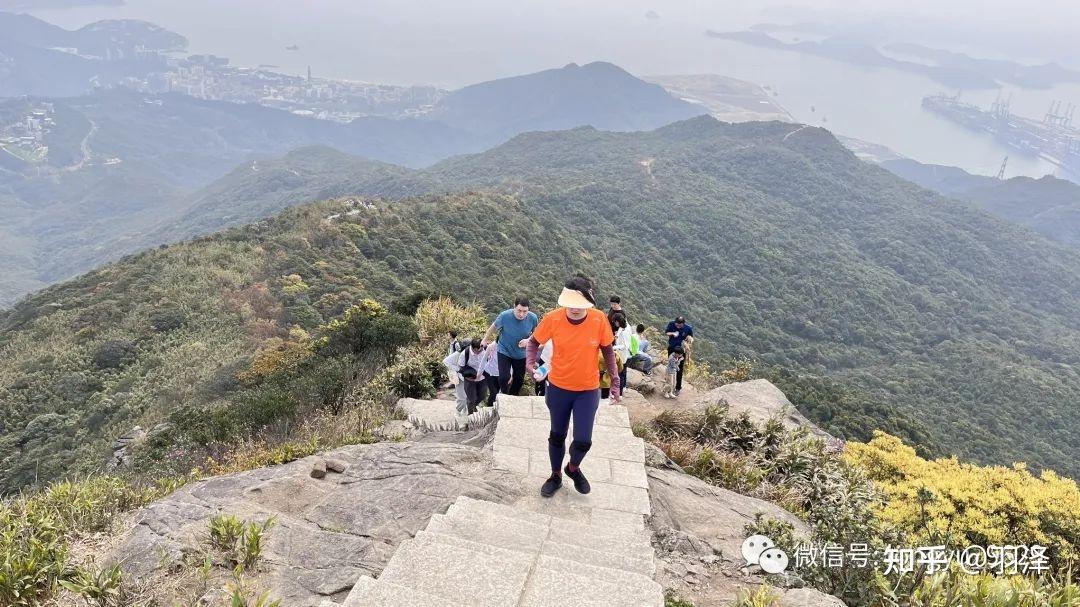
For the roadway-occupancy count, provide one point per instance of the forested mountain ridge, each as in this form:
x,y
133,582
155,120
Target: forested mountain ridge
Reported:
x,y
597,94
163,155
1049,205
886,303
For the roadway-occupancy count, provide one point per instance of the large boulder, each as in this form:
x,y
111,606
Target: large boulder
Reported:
x,y
761,400
328,531
710,518
808,597
698,531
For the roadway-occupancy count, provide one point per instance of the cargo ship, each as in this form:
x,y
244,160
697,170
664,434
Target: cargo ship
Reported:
x,y
1053,139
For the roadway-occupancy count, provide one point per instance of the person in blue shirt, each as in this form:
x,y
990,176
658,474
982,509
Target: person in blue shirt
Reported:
x,y
678,332
514,327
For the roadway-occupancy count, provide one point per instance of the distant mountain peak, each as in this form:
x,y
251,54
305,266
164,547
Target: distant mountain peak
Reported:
x,y
600,94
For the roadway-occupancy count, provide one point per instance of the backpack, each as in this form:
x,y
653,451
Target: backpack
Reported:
x,y
466,371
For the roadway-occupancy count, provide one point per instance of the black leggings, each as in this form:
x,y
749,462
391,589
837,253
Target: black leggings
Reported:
x,y
563,405
510,383
493,388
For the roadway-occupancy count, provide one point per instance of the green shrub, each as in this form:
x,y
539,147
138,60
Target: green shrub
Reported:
x,y
114,354
764,596
225,531
36,531
240,541
98,587
673,600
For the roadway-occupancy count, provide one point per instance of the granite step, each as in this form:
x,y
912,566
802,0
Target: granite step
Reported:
x,y
633,582
467,517
577,554
550,586
510,536
368,592
614,443
467,505
453,573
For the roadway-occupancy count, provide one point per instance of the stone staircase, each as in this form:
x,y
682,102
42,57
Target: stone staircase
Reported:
x,y
571,549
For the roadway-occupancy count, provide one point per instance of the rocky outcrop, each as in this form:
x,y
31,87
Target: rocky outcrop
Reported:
x,y
758,398
328,532
690,515
761,400
122,447
808,597
698,531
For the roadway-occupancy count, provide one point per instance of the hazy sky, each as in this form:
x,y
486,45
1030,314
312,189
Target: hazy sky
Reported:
x,y
453,43
481,36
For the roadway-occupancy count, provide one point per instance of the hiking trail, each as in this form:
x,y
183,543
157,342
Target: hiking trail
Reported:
x,y
570,549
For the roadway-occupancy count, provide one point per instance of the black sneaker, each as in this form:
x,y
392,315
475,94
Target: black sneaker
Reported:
x,y
580,482
551,485
676,393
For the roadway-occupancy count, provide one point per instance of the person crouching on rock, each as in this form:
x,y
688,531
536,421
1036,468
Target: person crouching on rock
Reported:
x,y
578,331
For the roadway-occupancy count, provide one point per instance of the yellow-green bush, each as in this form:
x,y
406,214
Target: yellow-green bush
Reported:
x,y
36,532
961,504
957,589
435,318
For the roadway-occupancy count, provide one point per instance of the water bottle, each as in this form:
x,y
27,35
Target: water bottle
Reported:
x,y
541,372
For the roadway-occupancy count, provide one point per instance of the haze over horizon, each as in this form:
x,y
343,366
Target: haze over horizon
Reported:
x,y
456,44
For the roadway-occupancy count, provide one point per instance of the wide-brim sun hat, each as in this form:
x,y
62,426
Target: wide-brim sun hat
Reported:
x,y
569,298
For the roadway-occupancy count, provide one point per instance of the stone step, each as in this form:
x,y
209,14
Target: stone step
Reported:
x,y
619,541
616,518
533,434
600,558
635,583
468,504
484,509
597,469
484,522
477,545
369,592
548,586
466,535
451,572
605,496
490,531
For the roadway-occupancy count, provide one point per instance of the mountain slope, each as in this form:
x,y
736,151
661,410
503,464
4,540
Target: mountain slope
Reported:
x,y
906,306
174,148
598,94
38,58
1048,205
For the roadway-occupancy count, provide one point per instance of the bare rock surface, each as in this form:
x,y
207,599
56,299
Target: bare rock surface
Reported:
x,y
808,597
698,531
328,532
709,518
761,400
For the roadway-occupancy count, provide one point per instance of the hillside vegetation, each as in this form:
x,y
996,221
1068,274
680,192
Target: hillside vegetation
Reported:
x,y
1049,205
876,304
127,170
